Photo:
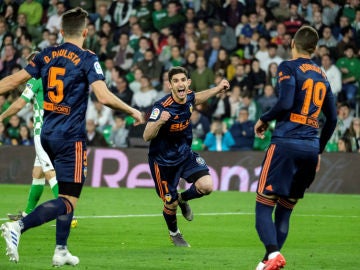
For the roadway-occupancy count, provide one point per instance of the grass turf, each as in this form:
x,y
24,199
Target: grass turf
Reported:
x,y
124,229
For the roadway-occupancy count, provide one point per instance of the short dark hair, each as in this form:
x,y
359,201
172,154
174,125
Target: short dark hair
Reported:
x,y
306,39
177,70
74,21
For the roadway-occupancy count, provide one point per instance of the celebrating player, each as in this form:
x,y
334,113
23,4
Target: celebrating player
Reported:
x,y
170,154
67,71
293,157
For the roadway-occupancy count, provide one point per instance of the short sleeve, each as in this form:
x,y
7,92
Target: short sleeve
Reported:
x,y
34,66
94,70
155,113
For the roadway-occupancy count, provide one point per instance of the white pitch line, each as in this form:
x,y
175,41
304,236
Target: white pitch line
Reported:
x,y
199,214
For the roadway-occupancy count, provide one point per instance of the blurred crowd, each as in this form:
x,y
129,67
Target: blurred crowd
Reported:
x,y
138,41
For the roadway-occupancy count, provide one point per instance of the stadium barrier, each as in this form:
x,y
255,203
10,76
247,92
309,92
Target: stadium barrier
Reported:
x,y
128,168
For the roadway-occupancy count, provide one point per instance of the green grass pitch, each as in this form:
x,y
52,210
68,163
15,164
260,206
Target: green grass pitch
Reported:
x,y
124,229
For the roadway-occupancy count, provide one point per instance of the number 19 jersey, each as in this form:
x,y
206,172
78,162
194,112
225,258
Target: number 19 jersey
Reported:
x,y
304,92
67,71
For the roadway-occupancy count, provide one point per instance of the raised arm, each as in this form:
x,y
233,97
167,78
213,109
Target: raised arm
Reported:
x,y
152,128
202,96
107,98
13,81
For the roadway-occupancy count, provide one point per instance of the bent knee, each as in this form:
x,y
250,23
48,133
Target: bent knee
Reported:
x,y
205,186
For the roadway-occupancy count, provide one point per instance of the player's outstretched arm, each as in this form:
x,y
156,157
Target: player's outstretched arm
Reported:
x,y
14,108
152,128
202,96
13,81
107,98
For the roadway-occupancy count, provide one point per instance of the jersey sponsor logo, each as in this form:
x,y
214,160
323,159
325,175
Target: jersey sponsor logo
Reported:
x,y
302,119
176,127
155,113
48,106
200,161
98,68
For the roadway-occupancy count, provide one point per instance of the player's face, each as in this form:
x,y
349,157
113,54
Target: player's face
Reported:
x,y
179,85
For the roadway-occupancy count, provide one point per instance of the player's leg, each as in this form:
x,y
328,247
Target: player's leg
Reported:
x,y
36,189
195,171
47,166
167,191
283,211
269,187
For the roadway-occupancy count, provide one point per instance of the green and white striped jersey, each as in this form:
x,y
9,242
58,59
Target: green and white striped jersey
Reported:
x,y
34,91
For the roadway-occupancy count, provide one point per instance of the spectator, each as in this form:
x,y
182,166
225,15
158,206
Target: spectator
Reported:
x,y
254,26
91,38
332,73
25,136
346,40
222,62
353,132
305,11
3,30
200,125
136,83
145,98
13,129
119,134
219,105
209,10
268,99
143,13
328,40
345,117
234,101
344,145
120,11
330,12
317,22
219,138
190,61
143,45
8,60
151,67
165,86
4,139
165,53
174,20
281,11
94,137
44,43
158,14
232,11
33,11
211,54
349,9
225,33
102,16
241,79
122,90
122,52
350,72
243,131
54,21
10,15
203,32
271,75
99,113
103,48
247,101
231,68
202,77
239,27
258,77
295,21
176,58
272,57
136,32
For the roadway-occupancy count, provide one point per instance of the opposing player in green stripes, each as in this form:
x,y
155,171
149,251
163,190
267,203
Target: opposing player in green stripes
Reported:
x,y
43,168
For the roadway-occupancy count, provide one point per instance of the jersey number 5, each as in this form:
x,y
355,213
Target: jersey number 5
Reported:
x,y
54,82
315,94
